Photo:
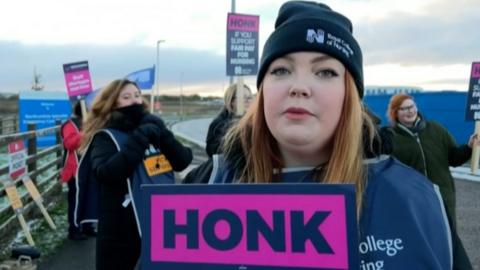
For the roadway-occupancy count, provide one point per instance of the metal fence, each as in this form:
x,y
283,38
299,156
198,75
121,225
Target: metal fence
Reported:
x,y
9,125
43,168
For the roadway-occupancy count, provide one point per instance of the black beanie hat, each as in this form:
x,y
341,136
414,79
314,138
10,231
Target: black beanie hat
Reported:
x,y
313,27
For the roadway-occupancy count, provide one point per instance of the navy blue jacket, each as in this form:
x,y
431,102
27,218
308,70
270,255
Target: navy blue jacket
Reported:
x,y
403,224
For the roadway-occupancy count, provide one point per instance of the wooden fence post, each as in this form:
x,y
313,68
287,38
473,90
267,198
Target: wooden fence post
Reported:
x,y
15,124
32,150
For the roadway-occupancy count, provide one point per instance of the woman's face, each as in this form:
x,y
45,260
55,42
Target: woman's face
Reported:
x,y
407,113
303,100
129,95
247,100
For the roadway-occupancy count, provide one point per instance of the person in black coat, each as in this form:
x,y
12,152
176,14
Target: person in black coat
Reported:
x,y
380,137
219,126
120,107
71,139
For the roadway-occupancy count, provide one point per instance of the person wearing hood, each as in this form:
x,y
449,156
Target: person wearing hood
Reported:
x,y
125,146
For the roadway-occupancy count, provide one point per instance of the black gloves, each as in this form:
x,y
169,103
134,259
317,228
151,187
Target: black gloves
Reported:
x,y
149,131
164,135
178,155
139,140
134,147
150,118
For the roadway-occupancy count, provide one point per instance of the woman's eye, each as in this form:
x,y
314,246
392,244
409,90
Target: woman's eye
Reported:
x,y
279,71
327,73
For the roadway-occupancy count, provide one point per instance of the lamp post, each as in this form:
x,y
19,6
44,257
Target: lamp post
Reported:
x,y
181,96
157,85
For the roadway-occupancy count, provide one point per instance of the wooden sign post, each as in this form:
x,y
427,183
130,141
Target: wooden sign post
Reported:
x,y
17,206
83,106
37,197
240,97
475,152
17,156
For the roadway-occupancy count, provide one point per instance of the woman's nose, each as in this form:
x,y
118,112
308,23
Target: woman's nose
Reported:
x,y
300,90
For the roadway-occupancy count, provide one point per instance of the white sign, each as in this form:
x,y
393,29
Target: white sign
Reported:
x,y
17,159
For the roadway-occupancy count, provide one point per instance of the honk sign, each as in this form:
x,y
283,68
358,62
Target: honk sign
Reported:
x,y
250,226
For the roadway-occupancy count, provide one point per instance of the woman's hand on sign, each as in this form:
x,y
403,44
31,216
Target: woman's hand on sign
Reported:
x,y
474,140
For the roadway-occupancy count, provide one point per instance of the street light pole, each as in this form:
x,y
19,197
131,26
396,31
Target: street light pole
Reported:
x,y
181,96
157,85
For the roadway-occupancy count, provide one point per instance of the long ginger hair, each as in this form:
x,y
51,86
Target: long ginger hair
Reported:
x,y
262,154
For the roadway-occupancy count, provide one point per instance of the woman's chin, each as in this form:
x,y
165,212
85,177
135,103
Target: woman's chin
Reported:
x,y
297,140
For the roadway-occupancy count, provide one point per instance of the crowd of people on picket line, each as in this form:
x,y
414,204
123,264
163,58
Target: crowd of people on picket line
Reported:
x,y
307,123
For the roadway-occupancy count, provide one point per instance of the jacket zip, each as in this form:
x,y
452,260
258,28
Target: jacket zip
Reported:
x,y
423,154
417,139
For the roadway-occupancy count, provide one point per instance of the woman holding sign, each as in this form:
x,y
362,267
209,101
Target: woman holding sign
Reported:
x,y
124,147
71,139
427,146
306,126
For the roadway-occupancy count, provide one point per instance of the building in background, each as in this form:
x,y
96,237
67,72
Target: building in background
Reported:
x,y
391,90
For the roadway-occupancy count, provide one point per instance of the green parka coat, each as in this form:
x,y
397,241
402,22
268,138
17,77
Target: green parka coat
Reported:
x,y
430,149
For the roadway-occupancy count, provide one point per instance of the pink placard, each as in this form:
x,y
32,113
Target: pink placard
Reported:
x,y
333,229
78,83
243,22
77,78
476,70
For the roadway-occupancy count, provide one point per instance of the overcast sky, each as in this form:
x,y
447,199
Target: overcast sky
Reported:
x,y
428,43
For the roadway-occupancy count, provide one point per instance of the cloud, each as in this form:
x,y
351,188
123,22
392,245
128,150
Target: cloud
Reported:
x,y
446,32
118,39
106,63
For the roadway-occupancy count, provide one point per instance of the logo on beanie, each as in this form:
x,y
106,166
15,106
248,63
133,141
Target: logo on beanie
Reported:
x,y
315,36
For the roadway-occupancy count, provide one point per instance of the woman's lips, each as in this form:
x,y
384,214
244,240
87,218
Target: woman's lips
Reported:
x,y
295,113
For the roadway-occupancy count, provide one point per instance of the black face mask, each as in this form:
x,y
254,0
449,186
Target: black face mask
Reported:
x,y
134,112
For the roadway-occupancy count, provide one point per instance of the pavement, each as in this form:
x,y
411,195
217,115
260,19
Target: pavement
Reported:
x,y
74,255
465,173
468,218
194,131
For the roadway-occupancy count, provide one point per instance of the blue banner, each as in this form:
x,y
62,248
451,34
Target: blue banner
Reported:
x,y
144,78
43,108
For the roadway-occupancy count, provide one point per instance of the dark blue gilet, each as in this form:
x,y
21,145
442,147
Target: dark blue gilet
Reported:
x,y
155,164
